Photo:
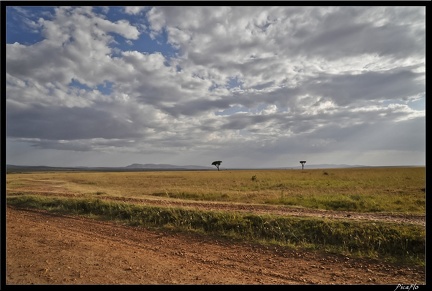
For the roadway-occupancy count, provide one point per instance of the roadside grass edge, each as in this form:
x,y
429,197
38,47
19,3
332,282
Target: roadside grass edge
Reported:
x,y
385,241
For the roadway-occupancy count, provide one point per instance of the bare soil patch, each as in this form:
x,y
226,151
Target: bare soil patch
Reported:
x,y
42,248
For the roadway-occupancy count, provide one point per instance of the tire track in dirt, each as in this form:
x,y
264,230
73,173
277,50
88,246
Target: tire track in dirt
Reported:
x,y
45,248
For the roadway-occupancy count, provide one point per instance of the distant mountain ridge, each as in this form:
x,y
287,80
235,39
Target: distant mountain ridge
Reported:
x,y
165,166
132,167
329,166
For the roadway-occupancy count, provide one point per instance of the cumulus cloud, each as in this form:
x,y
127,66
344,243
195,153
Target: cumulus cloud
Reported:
x,y
222,81
134,9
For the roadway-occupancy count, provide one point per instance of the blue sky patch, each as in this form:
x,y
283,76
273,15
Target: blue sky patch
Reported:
x,y
21,24
106,88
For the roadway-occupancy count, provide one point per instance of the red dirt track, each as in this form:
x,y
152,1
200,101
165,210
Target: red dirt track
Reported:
x,y
43,248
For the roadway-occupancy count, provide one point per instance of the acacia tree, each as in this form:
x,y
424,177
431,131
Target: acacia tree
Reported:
x,y
217,164
302,163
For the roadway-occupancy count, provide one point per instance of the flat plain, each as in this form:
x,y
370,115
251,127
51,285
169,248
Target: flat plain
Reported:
x,y
45,247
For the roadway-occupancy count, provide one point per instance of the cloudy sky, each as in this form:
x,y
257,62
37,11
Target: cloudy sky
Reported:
x,y
187,85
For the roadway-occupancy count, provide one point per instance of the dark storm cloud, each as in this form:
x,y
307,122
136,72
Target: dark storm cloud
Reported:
x,y
349,135
241,121
58,145
84,145
390,39
196,107
66,123
345,89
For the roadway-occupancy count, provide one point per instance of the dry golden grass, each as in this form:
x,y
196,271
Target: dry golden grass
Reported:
x,y
396,190
392,189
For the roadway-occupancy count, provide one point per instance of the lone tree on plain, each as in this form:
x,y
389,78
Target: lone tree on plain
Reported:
x,y
217,164
302,162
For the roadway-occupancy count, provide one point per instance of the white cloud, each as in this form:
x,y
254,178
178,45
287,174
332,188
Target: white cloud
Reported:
x,y
267,82
134,9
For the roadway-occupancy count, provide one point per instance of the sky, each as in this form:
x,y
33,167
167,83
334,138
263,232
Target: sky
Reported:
x,y
251,86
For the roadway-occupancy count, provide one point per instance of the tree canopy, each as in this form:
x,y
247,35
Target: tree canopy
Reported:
x,y
217,164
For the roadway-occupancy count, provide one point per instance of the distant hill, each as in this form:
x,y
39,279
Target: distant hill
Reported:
x,y
166,166
133,167
329,166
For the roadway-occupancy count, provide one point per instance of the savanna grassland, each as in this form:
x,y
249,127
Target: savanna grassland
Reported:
x,y
228,203
393,189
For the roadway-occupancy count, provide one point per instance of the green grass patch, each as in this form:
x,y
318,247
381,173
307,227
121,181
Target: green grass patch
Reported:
x,y
387,241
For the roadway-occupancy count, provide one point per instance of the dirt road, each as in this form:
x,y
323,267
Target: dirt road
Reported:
x,y
43,248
